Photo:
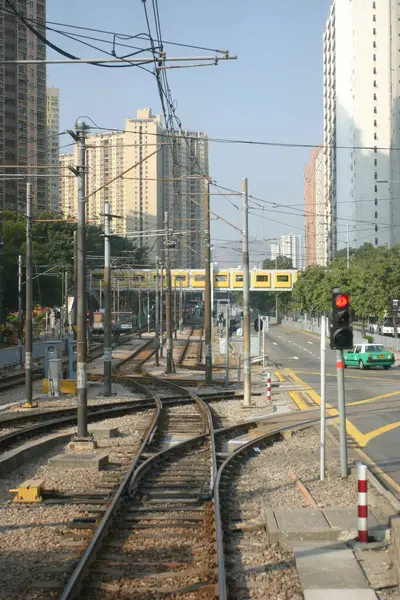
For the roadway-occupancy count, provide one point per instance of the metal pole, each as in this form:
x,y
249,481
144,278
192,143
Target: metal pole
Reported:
x,y
1,270
259,334
66,319
263,345
323,398
207,289
81,372
118,311
227,347
169,367
140,308
342,413
28,300
100,295
107,302
246,299
347,247
161,312
157,307
180,307
75,311
148,308
20,298
175,311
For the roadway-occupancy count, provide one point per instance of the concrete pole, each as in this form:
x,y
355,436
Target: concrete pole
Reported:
x,y
180,307
157,315
168,307
161,312
246,299
259,334
107,302
28,299
347,247
66,319
100,295
263,346
208,289
175,315
140,308
118,311
20,315
227,317
81,367
323,398
148,308
342,413
75,311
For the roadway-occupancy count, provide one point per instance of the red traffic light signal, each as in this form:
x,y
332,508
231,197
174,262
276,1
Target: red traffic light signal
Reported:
x,y
87,315
342,301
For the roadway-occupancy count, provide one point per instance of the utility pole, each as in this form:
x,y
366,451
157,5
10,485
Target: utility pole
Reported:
x,y
207,289
161,312
175,317
148,308
347,247
323,398
118,311
227,346
259,334
66,320
140,308
107,301
28,300
157,315
75,311
168,244
180,307
81,371
20,315
1,269
246,298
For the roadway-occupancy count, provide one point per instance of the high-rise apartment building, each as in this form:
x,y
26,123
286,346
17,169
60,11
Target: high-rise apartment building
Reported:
x,y
22,102
314,209
67,185
186,172
362,123
154,181
53,147
291,246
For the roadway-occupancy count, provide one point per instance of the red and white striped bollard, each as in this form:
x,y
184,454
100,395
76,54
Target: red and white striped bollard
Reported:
x,y
269,387
362,503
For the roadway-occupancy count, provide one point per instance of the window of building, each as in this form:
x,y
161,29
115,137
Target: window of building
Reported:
x,y
374,44
374,31
374,70
375,136
376,189
375,162
262,278
376,201
375,109
374,57
375,98
375,123
374,5
376,214
375,175
375,149
374,16
376,228
375,85
376,241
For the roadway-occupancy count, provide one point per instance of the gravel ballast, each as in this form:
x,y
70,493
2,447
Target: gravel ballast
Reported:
x,y
32,536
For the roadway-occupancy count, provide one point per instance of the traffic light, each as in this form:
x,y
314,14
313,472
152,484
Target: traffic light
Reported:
x,y
341,333
241,316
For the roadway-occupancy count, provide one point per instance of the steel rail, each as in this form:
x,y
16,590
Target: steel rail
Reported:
x,y
74,584
223,593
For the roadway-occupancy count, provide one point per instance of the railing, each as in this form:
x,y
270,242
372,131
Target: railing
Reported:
x,y
312,325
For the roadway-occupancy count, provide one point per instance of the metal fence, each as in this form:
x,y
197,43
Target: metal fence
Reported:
x,y
312,325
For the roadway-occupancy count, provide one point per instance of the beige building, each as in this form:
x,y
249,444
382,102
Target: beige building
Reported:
x,y
22,102
147,188
53,146
67,186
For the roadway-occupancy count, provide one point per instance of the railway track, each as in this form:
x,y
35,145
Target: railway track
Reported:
x,y
190,357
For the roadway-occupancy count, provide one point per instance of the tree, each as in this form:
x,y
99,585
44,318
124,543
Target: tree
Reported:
x,y
53,252
281,262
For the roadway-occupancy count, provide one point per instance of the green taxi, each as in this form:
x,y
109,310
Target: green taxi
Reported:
x,y
365,356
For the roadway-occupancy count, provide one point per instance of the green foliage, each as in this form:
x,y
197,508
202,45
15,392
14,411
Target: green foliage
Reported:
x,y
53,249
372,280
281,262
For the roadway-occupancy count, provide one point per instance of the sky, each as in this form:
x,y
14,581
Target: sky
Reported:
x,y
273,92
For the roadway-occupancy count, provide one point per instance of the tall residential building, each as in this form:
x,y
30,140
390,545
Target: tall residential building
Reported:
x,y
362,123
67,185
53,146
186,170
22,102
147,189
291,246
314,208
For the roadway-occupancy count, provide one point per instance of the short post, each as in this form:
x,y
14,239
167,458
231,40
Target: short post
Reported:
x,y
269,387
238,366
227,346
259,333
263,344
362,503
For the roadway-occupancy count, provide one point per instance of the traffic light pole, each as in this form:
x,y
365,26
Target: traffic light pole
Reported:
x,y
107,302
28,299
227,317
323,409
342,413
207,289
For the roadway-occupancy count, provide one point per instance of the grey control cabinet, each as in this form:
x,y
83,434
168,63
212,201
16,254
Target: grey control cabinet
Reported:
x,y
72,359
53,351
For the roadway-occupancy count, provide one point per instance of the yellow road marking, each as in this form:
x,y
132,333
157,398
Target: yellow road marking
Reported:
x,y
365,378
377,470
295,396
362,439
373,399
279,376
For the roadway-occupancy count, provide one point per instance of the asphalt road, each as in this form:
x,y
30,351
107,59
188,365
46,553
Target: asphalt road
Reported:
x,y
372,396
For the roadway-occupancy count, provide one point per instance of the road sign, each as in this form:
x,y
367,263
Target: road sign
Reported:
x,y
395,304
